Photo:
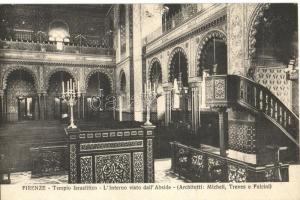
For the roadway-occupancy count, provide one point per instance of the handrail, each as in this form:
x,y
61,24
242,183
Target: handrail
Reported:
x,y
51,47
259,99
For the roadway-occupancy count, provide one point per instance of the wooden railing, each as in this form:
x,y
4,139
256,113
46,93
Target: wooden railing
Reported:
x,y
200,166
229,90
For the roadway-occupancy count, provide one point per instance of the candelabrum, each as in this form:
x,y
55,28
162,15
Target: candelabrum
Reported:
x,y
70,96
148,97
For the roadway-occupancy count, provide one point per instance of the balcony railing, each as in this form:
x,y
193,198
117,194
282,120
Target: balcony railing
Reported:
x,y
172,22
51,47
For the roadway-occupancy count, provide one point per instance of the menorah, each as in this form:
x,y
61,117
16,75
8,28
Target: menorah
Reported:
x,y
149,95
70,96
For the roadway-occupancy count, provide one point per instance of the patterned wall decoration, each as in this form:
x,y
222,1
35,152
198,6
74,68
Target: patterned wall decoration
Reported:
x,y
86,169
73,164
150,161
113,168
241,136
219,89
276,81
235,39
138,167
6,70
209,89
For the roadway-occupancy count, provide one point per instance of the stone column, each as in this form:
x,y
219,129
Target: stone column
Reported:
x,y
168,99
78,106
222,130
195,85
39,106
45,105
120,107
83,105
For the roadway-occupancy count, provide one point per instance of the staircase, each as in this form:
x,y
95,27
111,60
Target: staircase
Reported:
x,y
238,92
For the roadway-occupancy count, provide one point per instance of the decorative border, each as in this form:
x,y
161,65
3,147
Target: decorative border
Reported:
x,y
111,145
153,60
150,166
73,164
86,169
254,22
138,167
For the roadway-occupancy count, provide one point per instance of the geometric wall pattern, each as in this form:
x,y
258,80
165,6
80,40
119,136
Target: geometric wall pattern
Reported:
x,y
241,136
276,81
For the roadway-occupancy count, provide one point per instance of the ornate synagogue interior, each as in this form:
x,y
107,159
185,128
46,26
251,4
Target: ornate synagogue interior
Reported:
x,y
131,93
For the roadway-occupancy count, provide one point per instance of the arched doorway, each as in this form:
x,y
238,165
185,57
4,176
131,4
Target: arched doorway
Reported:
x,y
21,103
213,56
157,108
178,76
97,97
56,107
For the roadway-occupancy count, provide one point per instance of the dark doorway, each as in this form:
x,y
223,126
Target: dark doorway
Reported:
x,y
25,108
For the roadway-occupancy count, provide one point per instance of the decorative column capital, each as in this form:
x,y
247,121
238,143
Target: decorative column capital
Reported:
x,y
220,109
167,86
195,82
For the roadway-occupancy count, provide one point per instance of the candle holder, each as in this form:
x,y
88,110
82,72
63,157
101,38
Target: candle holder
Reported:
x,y
70,96
148,97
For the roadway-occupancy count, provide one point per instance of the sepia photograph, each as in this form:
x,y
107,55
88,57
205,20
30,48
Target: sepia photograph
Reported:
x,y
149,96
